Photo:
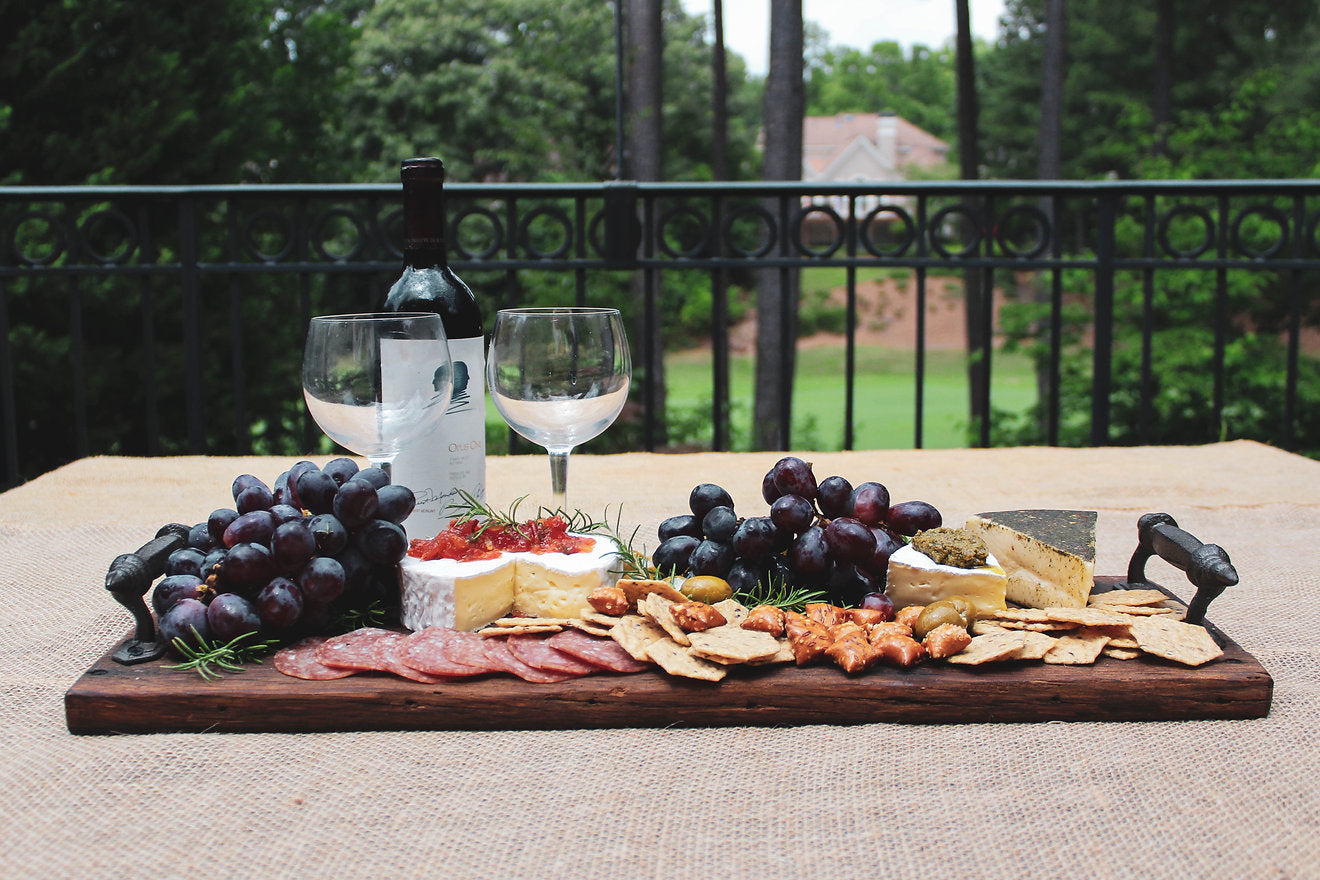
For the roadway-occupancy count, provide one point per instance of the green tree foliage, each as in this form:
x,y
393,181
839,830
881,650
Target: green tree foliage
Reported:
x,y
179,91
1239,108
1219,47
918,84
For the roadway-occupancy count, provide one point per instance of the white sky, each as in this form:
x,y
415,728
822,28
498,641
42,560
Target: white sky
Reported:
x,y
854,23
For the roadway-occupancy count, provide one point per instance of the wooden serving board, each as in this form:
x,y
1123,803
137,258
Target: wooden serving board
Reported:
x,y
147,698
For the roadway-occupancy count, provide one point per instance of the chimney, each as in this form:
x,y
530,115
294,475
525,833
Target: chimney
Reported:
x,y
886,138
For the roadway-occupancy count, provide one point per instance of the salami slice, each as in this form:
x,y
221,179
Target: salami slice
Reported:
x,y
537,653
604,653
299,661
498,651
352,650
385,653
424,651
469,649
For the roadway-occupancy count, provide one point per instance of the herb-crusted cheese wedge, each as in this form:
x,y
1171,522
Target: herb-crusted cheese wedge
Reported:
x,y
1047,555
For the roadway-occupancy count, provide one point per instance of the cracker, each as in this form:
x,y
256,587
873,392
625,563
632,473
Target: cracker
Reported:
x,y
1144,610
1035,645
1047,626
635,634
981,627
989,648
1128,597
1026,615
1174,640
733,644
509,630
783,655
734,611
676,660
605,620
532,621
1087,616
1077,649
1120,653
637,590
590,628
656,607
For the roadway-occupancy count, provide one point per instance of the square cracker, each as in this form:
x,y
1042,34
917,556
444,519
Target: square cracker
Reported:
x,y
637,590
783,655
1088,616
1128,597
1121,653
635,634
498,631
676,660
590,628
656,607
1174,640
1077,649
605,620
733,644
1035,645
990,647
734,611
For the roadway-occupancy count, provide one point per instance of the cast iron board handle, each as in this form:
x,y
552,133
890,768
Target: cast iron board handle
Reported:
x,y
1207,565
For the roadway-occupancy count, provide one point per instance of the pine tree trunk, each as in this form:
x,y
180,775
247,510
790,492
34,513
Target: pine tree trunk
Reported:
x,y
644,160
975,299
777,290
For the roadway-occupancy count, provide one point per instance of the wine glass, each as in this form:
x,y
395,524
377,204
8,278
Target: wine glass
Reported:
x,y
377,382
560,377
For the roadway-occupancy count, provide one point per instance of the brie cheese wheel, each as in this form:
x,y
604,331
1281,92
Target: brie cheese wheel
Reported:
x,y
916,579
469,595
1048,555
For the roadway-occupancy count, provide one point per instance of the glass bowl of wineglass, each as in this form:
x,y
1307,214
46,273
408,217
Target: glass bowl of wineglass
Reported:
x,y
377,382
559,377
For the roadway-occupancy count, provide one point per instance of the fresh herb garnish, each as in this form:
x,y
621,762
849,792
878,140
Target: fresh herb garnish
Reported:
x,y
779,594
209,658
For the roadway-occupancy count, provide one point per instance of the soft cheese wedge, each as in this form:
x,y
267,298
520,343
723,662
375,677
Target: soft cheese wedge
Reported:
x,y
469,595
916,579
1048,555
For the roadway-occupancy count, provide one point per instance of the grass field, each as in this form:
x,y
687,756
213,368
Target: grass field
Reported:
x,y
884,396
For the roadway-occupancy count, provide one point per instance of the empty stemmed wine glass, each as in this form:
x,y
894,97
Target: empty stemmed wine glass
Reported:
x,y
560,377
377,382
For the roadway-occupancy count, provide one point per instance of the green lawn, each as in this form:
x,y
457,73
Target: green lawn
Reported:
x,y
884,396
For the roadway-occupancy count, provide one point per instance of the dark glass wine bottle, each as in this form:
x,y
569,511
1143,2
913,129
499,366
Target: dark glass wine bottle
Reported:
x,y
454,457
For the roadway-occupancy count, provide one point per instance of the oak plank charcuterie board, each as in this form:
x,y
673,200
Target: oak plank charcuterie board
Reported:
x,y
148,698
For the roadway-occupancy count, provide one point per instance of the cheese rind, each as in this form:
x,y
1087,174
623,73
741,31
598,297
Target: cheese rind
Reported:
x,y
914,578
1048,555
469,595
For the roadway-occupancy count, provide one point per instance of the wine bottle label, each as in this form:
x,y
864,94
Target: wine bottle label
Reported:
x,y
452,457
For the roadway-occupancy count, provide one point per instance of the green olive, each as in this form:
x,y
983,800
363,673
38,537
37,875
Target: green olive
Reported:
x,y
966,606
937,613
706,588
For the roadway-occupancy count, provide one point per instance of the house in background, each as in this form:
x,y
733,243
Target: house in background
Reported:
x,y
863,148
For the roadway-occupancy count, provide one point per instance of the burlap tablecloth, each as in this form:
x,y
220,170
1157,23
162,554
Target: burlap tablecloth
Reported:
x,y
1186,799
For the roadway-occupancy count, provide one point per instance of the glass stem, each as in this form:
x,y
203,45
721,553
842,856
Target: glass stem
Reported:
x,y
558,477
387,466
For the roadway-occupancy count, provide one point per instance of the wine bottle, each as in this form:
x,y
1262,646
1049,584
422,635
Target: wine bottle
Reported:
x,y
453,458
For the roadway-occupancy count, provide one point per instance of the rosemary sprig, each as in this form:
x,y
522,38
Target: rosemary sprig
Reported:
x,y
779,594
375,614
636,564
208,658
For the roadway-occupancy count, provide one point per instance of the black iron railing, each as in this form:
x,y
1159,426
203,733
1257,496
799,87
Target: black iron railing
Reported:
x,y
177,295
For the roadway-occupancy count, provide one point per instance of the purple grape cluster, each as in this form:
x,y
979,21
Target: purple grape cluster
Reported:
x,y
285,559
829,535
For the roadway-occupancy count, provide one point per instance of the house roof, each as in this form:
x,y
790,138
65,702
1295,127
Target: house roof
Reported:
x,y
849,146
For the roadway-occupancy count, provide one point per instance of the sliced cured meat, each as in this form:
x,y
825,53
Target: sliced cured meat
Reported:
x,y
385,654
424,651
469,649
299,660
537,653
352,650
498,652
605,653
